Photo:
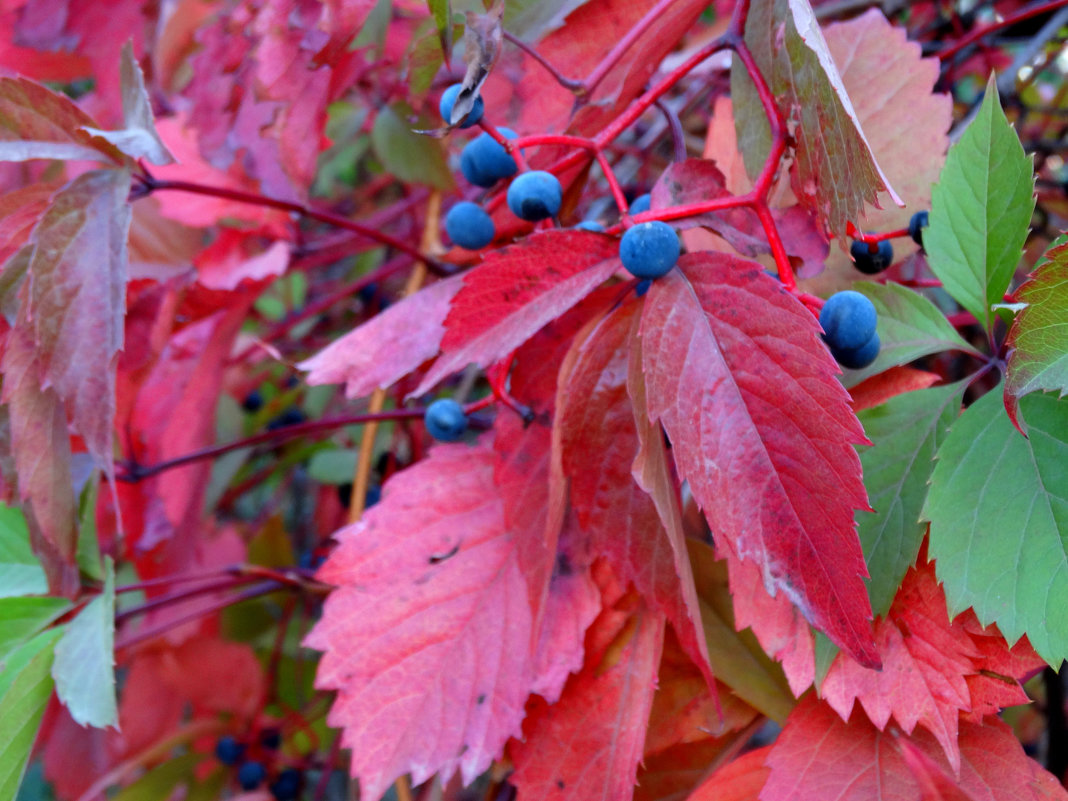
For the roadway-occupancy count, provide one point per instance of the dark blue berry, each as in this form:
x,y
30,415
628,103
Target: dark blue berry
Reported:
x,y
848,319
649,250
250,774
287,786
919,221
448,97
290,417
271,738
590,225
253,401
445,420
373,496
469,226
484,162
228,750
642,287
868,262
344,494
856,358
535,196
640,204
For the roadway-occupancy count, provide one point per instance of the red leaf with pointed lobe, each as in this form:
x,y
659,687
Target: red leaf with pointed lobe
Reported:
x,y
588,744
228,261
78,299
739,780
20,210
819,757
598,444
387,347
516,291
760,427
927,661
889,384
428,636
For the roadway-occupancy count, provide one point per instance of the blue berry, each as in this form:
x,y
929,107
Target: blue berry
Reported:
x,y
445,420
287,786
271,738
372,497
484,162
250,774
290,417
448,97
535,196
649,250
856,358
590,225
919,221
253,401
848,319
228,750
640,204
469,226
868,262
642,287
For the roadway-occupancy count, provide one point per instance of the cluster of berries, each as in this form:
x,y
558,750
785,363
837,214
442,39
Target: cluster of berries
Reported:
x,y
849,318
251,773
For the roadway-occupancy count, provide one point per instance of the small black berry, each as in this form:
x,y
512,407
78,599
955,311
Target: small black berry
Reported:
x,y
287,786
271,738
870,263
253,402
290,417
919,221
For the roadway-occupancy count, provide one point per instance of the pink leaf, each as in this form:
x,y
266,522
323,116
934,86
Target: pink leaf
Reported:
x,y
516,291
588,744
428,636
737,374
387,347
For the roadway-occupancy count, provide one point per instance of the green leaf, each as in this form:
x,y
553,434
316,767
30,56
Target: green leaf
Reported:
x,y
20,572
84,669
531,20
411,157
906,432
910,326
22,618
980,211
1039,335
88,547
441,10
161,781
333,467
25,687
998,506
836,169
751,124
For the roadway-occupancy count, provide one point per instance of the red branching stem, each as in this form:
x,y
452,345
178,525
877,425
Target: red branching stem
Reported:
x,y
479,405
152,184
151,632
497,376
135,472
678,137
177,597
921,283
778,250
974,36
613,182
651,17
961,319
570,84
875,238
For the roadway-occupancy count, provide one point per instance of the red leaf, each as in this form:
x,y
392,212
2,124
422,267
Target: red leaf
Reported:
x,y
42,124
588,744
387,347
927,661
740,780
888,384
516,291
762,430
20,210
598,446
227,262
78,299
217,675
428,636
818,757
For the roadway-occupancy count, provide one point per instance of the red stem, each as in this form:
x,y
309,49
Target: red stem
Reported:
x,y
1012,19
599,72
136,472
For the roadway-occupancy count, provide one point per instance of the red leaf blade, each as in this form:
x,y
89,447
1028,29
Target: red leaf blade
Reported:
x,y
736,373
